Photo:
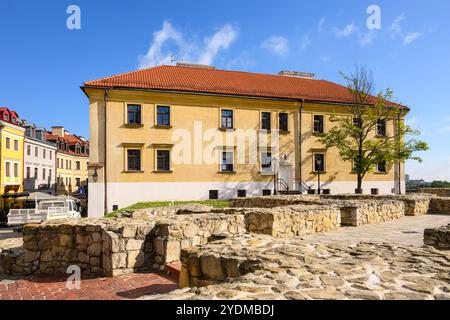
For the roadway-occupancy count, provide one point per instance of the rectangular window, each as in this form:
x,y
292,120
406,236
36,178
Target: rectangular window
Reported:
x,y
318,124
62,163
267,192
266,162
8,143
357,122
163,116
213,194
319,162
51,155
133,160
265,121
44,153
28,172
78,165
227,119
134,114
227,161
8,169
16,145
242,193
381,167
163,160
50,174
78,182
28,150
70,165
36,173
36,152
283,122
381,128
44,174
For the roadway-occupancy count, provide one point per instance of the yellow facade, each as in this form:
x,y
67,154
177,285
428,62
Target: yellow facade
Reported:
x,y
11,157
296,147
71,172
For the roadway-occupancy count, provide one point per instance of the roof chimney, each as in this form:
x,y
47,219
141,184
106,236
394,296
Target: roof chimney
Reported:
x,y
195,66
58,131
297,74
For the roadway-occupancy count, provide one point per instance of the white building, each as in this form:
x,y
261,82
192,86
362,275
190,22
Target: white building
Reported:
x,y
39,161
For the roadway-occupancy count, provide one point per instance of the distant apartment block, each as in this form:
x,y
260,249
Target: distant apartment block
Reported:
x,y
39,161
11,157
71,161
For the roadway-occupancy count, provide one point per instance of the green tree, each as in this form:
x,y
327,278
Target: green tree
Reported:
x,y
355,133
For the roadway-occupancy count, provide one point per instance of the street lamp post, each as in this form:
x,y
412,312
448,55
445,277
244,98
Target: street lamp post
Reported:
x,y
318,165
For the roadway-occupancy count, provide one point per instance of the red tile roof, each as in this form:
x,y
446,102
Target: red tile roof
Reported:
x,y
202,80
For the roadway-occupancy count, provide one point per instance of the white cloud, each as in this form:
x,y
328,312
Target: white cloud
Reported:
x,y
346,31
367,38
325,59
321,23
243,61
169,43
411,37
395,27
276,44
305,42
222,39
154,55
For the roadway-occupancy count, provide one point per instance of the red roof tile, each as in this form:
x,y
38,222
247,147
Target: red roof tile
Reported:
x,y
201,80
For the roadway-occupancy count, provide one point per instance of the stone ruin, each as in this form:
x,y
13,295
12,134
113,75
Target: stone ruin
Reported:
x,y
200,237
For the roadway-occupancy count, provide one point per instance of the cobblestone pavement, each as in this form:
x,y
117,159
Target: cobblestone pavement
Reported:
x,y
408,231
54,288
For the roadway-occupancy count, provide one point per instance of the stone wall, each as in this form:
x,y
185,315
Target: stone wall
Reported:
x,y
114,247
415,204
49,249
440,192
271,201
358,213
438,238
440,205
291,221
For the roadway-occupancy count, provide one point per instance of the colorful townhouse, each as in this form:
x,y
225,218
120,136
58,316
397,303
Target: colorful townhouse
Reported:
x,y
11,158
177,133
72,160
39,161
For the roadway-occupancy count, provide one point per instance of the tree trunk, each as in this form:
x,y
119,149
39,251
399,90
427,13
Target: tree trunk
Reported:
x,y
359,185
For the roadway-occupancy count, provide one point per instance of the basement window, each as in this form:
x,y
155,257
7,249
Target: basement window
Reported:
x,y
267,192
242,193
213,194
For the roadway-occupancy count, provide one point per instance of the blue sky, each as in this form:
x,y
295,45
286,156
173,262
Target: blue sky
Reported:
x,y
43,63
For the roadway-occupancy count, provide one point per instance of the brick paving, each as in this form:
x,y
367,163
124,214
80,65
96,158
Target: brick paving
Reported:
x,y
54,287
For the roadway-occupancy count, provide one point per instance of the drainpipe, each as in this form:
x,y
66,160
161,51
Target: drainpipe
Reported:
x,y
399,164
105,179
300,146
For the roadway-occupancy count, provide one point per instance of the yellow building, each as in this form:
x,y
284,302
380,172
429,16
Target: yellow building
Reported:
x,y
72,160
191,132
11,153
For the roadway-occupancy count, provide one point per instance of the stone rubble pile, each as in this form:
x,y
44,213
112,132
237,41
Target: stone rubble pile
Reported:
x,y
260,267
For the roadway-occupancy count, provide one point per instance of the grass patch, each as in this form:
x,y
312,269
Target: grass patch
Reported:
x,y
144,205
